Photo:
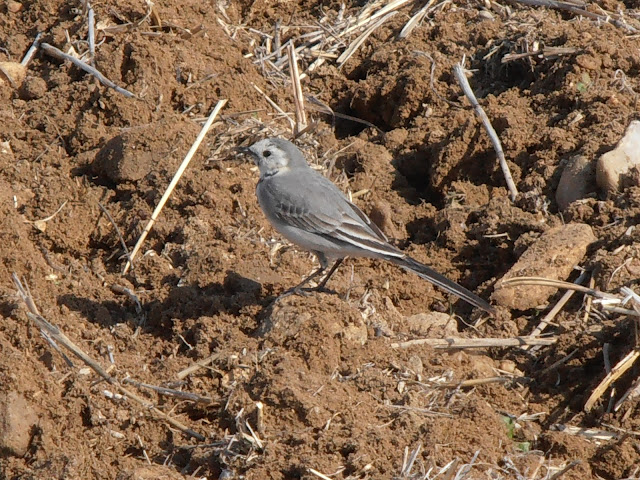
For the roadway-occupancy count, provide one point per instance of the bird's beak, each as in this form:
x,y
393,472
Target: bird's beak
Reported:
x,y
242,150
245,151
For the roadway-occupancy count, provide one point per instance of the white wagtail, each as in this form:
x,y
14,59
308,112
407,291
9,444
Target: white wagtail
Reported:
x,y
310,211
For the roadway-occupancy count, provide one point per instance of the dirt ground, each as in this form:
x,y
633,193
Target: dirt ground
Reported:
x,y
310,386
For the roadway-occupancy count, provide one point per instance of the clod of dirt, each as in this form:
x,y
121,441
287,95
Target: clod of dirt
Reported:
x,y
151,472
17,418
33,88
12,73
290,318
125,158
613,166
552,256
576,181
433,324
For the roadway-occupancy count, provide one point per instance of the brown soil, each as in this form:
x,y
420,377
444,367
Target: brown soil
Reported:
x,y
337,397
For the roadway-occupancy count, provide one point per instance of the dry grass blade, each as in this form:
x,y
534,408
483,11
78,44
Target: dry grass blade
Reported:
x,y
92,35
32,50
548,318
318,474
315,104
57,53
171,392
197,366
366,17
616,372
409,460
174,182
456,342
549,282
474,382
573,8
54,332
298,97
360,40
568,467
458,71
547,53
590,433
415,20
276,107
632,393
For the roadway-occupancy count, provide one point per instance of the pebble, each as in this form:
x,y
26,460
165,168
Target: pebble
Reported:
x,y
433,324
613,166
552,256
13,6
12,73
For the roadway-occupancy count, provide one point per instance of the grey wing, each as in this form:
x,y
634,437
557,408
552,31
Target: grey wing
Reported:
x,y
318,206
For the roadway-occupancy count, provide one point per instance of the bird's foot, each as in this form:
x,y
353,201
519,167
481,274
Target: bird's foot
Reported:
x,y
303,292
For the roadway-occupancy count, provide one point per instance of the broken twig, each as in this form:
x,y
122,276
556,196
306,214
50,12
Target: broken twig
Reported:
x,y
174,181
57,53
458,71
456,342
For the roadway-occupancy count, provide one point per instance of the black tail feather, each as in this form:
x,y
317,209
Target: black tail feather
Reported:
x,y
441,281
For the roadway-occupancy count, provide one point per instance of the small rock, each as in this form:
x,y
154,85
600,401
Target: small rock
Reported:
x,y
482,366
6,153
552,256
576,181
618,163
12,73
508,366
13,6
415,363
433,324
17,418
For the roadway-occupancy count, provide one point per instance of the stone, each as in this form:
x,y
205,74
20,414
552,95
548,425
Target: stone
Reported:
x,y
576,182
620,162
552,256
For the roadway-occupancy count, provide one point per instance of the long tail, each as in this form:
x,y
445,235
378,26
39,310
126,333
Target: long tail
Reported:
x,y
441,281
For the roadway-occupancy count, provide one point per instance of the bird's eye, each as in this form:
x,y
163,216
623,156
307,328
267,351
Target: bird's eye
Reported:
x,y
266,153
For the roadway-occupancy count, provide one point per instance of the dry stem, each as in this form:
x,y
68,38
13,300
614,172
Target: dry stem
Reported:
x,y
53,332
174,181
616,372
458,71
456,342
573,8
57,53
298,97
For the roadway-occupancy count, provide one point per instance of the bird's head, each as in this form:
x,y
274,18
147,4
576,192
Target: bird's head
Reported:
x,y
276,155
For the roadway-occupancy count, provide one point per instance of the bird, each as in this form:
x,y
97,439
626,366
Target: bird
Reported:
x,y
310,211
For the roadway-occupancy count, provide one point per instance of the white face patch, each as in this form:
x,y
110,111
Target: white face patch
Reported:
x,y
270,158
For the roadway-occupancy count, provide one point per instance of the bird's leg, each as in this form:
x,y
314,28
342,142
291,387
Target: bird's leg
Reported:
x,y
328,275
298,288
